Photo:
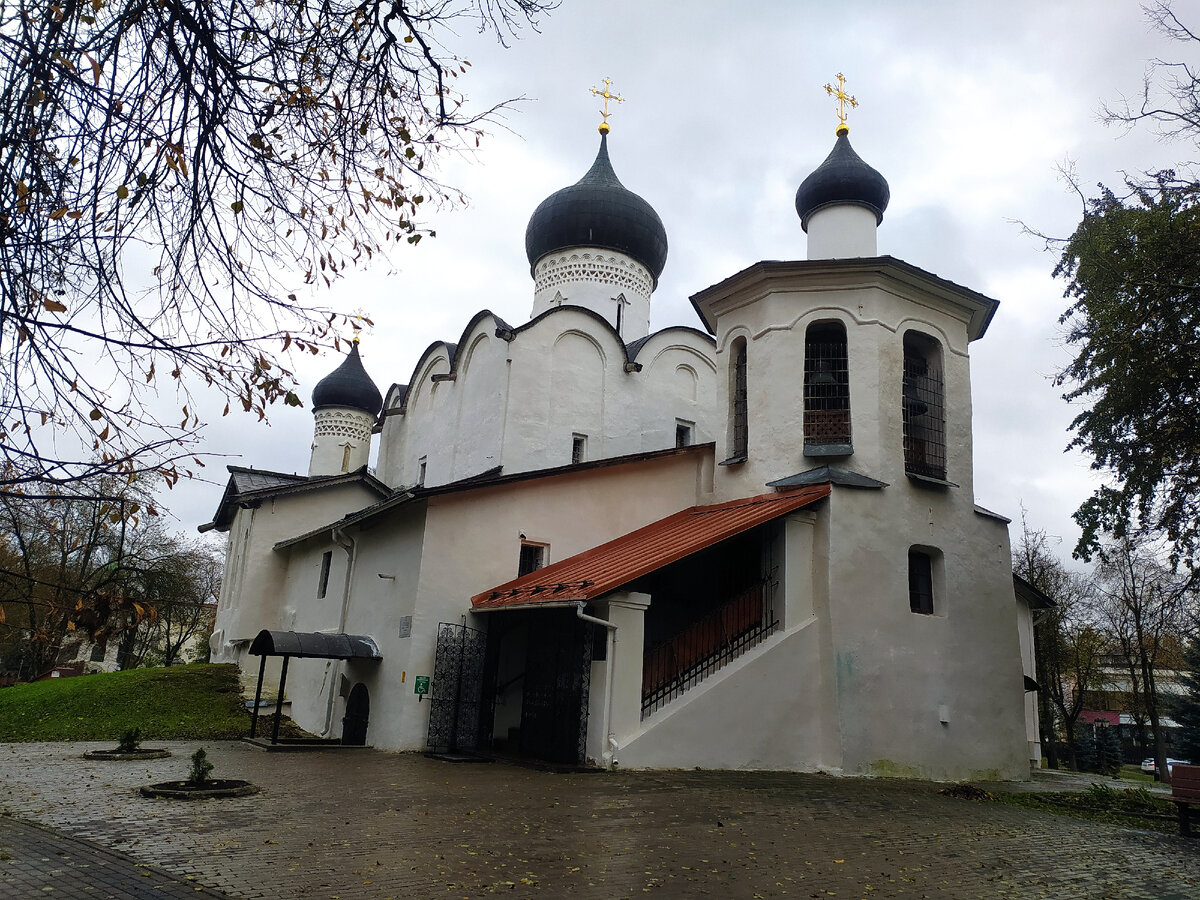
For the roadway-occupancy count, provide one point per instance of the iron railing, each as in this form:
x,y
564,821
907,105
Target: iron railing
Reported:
x,y
680,662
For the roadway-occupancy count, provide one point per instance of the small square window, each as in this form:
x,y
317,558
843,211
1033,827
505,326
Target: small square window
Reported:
x,y
533,557
323,581
578,448
683,433
920,582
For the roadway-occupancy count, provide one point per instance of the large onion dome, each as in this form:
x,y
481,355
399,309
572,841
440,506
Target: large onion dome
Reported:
x,y
842,179
348,385
598,211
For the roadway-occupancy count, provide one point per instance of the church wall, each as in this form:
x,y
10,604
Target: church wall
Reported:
x,y
457,426
765,710
572,513
252,600
392,547
876,317
594,278
519,403
928,695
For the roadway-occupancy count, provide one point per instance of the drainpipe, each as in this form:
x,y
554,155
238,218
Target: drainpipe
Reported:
x,y
350,545
609,754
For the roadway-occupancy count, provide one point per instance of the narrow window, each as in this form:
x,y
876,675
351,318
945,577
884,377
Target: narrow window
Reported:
x,y
421,463
323,581
738,403
578,448
920,582
621,304
923,407
99,649
826,390
346,457
533,557
683,433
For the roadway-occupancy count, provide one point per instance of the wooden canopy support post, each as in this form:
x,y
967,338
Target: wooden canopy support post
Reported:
x,y
262,668
279,701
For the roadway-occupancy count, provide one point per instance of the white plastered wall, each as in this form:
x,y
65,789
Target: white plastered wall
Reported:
x,y
424,544
518,403
876,317
595,279
251,597
934,696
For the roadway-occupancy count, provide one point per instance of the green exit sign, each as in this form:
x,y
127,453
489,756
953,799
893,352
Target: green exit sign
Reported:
x,y
421,684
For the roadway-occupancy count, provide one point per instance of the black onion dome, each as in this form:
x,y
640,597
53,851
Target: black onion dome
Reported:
x,y
598,211
348,385
842,178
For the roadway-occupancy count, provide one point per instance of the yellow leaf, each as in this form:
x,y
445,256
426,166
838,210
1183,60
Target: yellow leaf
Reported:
x,y
123,192
59,213
53,306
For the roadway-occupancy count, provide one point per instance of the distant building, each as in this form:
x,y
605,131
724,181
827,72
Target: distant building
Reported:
x,y
748,544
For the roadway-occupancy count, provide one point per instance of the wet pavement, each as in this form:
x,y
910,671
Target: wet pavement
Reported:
x,y
369,824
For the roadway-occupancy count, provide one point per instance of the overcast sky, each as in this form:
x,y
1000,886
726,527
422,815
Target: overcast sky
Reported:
x,y
968,110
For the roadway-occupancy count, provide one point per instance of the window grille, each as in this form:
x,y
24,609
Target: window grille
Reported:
x,y
578,448
923,408
739,407
533,557
826,387
920,582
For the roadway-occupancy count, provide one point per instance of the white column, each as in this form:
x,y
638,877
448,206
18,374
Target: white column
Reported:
x,y
628,612
798,536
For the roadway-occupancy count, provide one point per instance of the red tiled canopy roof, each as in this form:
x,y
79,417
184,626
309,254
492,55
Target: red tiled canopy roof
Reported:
x,y
605,568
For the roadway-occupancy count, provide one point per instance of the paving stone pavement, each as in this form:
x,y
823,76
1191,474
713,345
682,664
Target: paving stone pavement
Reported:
x,y
37,862
369,825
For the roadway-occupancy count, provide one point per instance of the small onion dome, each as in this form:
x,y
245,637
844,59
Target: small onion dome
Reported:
x,y
598,211
348,385
842,179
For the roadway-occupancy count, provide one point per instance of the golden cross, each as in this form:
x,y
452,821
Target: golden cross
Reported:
x,y
607,95
842,98
359,321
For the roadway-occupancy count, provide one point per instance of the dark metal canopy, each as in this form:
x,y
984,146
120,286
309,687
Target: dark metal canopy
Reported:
x,y
314,645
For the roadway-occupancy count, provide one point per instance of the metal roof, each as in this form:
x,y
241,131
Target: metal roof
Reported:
x,y
605,568
314,645
598,211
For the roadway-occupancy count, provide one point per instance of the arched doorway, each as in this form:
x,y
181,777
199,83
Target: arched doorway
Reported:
x,y
358,711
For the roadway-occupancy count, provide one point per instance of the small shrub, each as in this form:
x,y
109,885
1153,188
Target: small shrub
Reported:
x,y
131,739
201,768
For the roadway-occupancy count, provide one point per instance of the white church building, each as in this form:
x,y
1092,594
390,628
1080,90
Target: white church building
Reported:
x,y
748,543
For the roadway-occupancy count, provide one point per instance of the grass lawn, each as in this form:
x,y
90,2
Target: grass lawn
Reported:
x,y
1133,807
176,703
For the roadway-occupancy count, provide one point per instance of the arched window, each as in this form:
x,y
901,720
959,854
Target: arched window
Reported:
x,y
826,390
923,401
738,403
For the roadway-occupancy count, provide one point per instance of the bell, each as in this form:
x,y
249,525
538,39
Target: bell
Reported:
x,y
822,374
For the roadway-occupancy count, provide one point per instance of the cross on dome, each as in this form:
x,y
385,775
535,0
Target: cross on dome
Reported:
x,y
842,98
607,95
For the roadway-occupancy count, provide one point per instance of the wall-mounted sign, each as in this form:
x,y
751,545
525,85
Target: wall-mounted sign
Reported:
x,y
421,685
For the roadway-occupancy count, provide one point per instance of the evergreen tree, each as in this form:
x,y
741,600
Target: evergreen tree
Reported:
x,y
1185,708
1085,749
1108,750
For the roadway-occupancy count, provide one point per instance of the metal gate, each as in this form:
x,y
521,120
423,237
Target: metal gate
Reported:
x,y
455,692
554,710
